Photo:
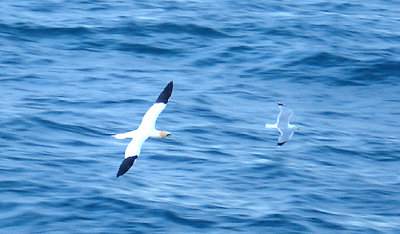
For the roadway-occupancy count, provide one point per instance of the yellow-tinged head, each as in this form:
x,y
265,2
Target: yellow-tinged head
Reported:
x,y
164,134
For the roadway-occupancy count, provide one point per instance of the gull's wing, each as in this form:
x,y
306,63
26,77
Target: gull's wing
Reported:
x,y
286,134
284,116
150,118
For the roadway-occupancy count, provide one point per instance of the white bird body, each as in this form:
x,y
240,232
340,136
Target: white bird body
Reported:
x,y
145,130
282,124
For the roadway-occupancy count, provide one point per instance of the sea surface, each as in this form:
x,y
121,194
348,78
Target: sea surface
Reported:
x,y
72,73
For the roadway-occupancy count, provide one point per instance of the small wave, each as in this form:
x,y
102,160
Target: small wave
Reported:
x,y
243,135
43,31
240,49
188,28
146,49
65,127
334,114
205,62
339,151
284,221
193,222
383,155
131,29
25,218
376,71
172,158
96,202
323,59
347,82
325,224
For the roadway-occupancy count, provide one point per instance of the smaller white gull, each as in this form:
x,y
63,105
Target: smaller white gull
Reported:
x,y
145,130
282,124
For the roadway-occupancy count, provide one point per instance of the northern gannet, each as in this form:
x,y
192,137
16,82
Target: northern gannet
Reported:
x,y
145,130
282,124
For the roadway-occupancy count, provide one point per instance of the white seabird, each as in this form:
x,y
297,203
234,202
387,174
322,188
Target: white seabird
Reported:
x,y
282,124
145,130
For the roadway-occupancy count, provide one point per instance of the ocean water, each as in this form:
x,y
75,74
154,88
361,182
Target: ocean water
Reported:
x,y
72,73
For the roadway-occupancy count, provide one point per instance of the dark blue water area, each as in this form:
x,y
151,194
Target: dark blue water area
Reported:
x,y
72,73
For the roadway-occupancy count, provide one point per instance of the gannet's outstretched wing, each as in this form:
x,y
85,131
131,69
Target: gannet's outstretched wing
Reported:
x,y
126,165
132,152
150,118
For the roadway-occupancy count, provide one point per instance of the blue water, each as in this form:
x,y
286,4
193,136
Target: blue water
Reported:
x,y
74,72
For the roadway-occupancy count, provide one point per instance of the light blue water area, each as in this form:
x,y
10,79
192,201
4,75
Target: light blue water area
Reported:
x,y
72,73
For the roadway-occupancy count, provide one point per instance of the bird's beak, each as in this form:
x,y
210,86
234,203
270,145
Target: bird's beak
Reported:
x,y
170,136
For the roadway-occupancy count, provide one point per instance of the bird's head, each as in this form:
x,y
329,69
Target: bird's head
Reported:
x,y
294,127
164,134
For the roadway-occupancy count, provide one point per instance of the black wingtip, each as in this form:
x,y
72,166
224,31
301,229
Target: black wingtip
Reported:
x,y
126,165
166,93
280,104
280,143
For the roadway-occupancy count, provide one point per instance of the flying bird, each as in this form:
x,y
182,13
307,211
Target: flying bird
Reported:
x,y
282,124
145,130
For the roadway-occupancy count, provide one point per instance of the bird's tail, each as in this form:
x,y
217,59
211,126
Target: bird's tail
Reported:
x,y
270,125
120,136
124,135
